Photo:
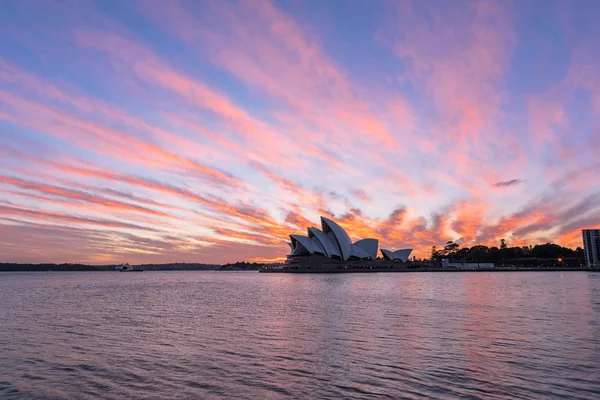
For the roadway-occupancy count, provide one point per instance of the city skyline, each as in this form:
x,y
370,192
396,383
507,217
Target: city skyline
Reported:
x,y
209,131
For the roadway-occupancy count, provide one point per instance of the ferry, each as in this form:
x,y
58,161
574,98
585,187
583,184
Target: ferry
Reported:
x,y
128,268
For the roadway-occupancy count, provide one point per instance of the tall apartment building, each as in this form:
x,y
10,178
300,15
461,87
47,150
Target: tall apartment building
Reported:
x,y
591,246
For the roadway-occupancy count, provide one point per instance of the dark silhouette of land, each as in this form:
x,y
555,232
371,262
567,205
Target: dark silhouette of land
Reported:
x,y
541,256
241,266
83,267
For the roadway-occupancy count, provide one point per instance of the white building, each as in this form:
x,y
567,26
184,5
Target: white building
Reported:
x,y
591,247
401,254
332,242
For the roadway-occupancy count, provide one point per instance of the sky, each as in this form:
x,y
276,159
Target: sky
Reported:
x,y
208,131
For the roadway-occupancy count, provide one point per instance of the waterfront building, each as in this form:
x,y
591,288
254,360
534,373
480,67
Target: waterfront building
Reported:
x,y
331,244
591,246
401,255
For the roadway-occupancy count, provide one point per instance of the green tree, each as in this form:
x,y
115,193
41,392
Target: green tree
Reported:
x,y
434,252
450,248
461,253
479,253
494,254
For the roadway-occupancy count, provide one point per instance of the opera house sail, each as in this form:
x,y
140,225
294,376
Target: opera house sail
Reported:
x,y
401,255
332,246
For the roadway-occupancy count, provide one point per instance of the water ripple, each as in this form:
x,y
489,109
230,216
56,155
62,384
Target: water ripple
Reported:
x,y
181,335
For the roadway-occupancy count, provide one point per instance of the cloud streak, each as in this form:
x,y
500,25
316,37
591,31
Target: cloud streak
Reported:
x,y
210,132
512,182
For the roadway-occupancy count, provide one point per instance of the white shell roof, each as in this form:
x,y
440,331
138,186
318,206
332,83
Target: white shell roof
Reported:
x,y
341,237
322,238
369,246
317,247
304,241
333,241
358,252
335,249
402,254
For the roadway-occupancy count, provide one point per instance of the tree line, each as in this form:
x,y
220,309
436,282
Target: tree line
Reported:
x,y
550,251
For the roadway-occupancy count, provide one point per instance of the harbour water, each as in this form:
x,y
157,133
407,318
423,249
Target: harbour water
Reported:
x,y
526,335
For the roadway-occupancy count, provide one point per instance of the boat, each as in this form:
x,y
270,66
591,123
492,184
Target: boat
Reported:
x,y
128,268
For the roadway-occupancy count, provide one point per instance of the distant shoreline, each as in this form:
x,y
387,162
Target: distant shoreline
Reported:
x,y
458,270
11,267
46,267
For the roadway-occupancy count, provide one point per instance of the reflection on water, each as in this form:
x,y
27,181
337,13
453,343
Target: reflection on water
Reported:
x,y
219,334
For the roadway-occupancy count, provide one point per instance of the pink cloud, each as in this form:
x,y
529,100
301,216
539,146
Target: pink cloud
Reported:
x,y
8,210
100,138
410,158
264,47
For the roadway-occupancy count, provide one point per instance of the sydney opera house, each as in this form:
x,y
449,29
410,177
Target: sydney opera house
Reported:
x,y
332,245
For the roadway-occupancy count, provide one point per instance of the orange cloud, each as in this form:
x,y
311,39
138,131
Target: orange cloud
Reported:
x,y
8,210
